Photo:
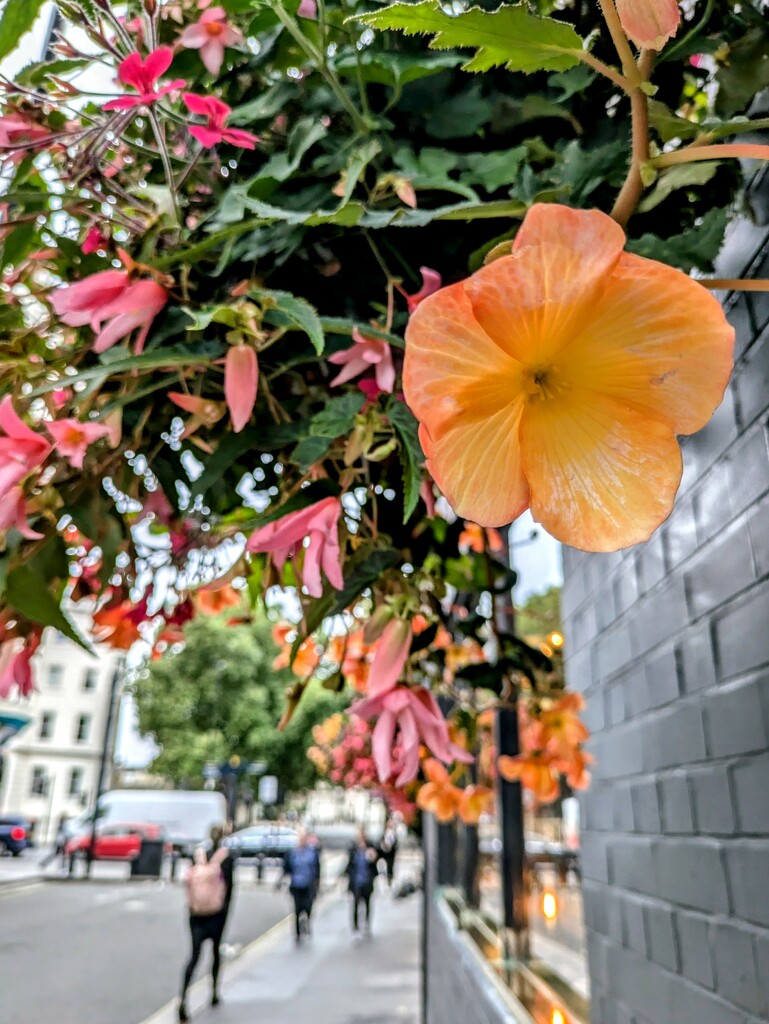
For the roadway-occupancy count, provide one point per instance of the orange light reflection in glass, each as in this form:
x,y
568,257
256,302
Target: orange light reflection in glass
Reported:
x,y
549,906
557,1017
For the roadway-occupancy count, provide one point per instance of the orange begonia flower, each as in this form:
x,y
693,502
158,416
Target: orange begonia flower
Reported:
x,y
475,538
212,602
561,731
534,772
557,378
438,796
649,23
473,802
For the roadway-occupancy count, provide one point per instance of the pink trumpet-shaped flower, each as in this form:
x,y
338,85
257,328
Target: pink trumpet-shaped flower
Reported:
x,y
365,354
22,450
308,9
72,438
283,537
390,656
20,135
136,307
15,668
211,34
649,23
13,513
215,130
110,295
431,282
406,717
143,76
93,241
241,379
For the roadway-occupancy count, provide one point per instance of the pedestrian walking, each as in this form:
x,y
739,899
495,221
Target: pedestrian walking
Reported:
x,y
302,866
362,868
209,894
59,844
389,848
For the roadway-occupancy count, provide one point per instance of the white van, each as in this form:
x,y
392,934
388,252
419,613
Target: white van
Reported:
x,y
187,816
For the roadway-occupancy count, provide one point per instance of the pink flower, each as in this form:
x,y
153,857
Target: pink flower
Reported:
x,y
406,717
211,35
283,537
15,668
241,379
427,494
22,450
20,135
215,131
365,353
110,295
390,656
143,76
308,9
72,438
93,241
13,513
431,282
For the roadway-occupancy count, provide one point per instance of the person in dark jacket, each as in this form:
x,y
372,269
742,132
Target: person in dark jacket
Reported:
x,y
361,871
302,865
389,848
210,926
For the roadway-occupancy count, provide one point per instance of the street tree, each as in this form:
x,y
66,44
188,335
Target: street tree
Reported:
x,y
219,696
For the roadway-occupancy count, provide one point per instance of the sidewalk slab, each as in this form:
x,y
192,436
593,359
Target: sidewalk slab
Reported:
x,y
333,978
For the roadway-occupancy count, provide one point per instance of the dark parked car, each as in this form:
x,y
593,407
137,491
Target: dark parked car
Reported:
x,y
15,834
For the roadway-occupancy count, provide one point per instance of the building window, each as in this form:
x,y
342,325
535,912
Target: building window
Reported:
x,y
76,782
46,725
55,675
90,678
83,728
39,786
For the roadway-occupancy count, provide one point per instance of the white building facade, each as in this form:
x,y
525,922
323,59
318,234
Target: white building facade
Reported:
x,y
50,769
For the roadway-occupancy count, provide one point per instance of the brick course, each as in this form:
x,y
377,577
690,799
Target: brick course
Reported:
x,y
669,643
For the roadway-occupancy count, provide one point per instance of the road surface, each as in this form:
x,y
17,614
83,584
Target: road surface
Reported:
x,y
108,952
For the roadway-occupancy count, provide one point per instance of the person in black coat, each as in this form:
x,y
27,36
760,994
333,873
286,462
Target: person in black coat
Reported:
x,y
209,926
361,871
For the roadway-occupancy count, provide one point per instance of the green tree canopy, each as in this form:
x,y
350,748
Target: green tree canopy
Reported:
x,y
220,696
540,614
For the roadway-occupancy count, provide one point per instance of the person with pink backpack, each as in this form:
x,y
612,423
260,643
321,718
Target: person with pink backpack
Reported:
x,y
209,893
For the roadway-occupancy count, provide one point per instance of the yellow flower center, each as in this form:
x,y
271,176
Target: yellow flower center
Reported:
x,y
541,382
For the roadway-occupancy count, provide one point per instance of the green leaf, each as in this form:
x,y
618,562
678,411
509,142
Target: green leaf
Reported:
x,y
306,132
338,416
394,69
310,450
356,165
681,176
18,243
293,312
696,247
406,427
17,19
512,36
27,593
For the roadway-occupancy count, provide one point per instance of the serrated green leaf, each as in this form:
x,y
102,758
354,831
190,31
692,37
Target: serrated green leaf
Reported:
x,y
406,427
27,593
511,36
293,312
17,19
338,416
697,247
681,176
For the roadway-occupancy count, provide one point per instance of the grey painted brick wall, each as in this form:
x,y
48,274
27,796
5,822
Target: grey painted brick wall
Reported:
x,y
669,643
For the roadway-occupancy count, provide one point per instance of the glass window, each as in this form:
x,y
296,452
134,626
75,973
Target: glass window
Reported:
x,y
90,679
76,782
46,725
55,675
83,728
39,785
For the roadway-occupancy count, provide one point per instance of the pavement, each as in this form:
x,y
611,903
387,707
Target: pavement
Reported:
x,y
332,977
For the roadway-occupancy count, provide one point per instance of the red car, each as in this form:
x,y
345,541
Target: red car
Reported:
x,y
116,842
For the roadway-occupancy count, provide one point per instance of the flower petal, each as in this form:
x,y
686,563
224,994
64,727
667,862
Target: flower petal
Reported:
x,y
658,341
158,62
649,23
390,656
532,301
602,475
382,738
241,379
